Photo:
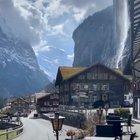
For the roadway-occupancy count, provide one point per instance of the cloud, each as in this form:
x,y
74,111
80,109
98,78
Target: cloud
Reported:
x,y
57,29
48,26
35,21
70,56
56,61
87,3
56,8
45,48
13,24
79,14
83,8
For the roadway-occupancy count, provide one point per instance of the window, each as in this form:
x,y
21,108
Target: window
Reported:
x,y
89,75
125,97
100,76
66,98
56,96
105,76
73,86
76,86
94,98
104,97
81,77
93,75
48,104
55,103
95,87
105,87
98,87
45,103
66,87
86,87
43,109
112,77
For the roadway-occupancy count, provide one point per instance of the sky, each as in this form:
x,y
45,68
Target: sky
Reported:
x,y
47,23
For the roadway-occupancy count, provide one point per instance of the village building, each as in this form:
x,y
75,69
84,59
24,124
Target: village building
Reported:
x,y
93,86
18,106
49,102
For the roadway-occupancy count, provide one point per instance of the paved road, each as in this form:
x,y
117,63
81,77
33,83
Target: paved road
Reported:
x,y
39,129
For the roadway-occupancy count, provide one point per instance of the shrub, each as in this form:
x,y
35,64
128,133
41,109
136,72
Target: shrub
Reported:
x,y
122,112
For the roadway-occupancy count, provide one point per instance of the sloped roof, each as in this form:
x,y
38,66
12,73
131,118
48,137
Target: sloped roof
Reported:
x,y
41,95
16,100
67,72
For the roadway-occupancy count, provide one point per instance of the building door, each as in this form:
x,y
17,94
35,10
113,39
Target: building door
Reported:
x,y
138,108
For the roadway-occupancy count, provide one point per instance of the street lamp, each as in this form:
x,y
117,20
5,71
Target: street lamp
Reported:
x,y
100,113
57,122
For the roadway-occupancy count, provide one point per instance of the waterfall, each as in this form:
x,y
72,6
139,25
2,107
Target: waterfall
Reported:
x,y
121,28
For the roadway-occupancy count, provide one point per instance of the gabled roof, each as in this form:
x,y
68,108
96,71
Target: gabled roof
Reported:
x,y
64,73
67,73
16,100
41,95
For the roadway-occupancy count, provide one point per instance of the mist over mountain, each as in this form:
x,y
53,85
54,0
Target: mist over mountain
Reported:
x,y
50,58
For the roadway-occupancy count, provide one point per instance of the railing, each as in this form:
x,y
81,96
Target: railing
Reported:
x,y
11,134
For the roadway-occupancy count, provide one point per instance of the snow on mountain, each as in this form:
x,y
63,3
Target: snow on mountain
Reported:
x,y
50,58
51,21
19,70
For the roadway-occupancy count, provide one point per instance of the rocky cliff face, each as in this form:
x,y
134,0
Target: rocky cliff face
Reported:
x,y
94,40
19,70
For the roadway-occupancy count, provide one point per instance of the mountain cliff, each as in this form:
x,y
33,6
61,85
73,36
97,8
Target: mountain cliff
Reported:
x,y
94,40
19,70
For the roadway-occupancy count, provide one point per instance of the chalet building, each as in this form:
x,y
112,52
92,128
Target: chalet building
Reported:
x,y
18,105
49,102
96,84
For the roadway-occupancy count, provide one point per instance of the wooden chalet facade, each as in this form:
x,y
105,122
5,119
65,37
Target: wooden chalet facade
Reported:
x,y
19,106
48,103
91,85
